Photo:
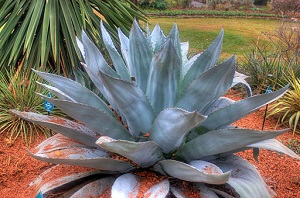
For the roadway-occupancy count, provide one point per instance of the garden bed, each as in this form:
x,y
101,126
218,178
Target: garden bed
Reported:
x,y
281,172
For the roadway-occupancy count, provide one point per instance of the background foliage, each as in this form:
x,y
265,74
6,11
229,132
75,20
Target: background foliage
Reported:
x,y
44,31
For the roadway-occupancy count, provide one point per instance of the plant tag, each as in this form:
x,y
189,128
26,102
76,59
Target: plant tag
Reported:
x,y
268,90
48,105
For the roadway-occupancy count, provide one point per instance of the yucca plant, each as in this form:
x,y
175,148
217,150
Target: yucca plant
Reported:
x,y
288,107
43,32
17,90
166,116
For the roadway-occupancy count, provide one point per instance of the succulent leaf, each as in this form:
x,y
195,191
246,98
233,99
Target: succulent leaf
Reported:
x,y
144,154
171,126
208,87
132,103
174,37
159,190
75,91
164,75
138,47
240,78
223,140
228,115
274,145
124,41
126,185
99,121
187,172
206,192
157,38
117,60
68,128
93,57
219,104
205,61
95,188
184,51
47,182
245,179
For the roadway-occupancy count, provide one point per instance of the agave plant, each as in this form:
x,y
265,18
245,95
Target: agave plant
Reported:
x,y
166,114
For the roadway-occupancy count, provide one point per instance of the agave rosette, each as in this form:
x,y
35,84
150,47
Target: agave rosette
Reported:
x,y
166,114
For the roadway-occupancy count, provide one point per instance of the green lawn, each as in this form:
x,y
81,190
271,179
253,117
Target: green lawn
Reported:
x,y
200,32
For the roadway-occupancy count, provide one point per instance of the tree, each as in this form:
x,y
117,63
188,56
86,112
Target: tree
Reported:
x,y
42,33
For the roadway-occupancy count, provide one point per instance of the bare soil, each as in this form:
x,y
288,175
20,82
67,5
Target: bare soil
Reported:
x,y
281,172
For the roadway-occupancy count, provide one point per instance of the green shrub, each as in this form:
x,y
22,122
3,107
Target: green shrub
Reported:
x,y
17,91
288,107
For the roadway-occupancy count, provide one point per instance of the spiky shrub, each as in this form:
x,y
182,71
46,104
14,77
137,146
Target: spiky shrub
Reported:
x,y
166,115
287,108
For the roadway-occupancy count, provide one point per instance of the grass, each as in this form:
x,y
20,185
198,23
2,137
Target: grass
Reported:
x,y
200,32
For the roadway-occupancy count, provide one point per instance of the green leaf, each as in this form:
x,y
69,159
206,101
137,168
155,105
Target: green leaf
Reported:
x,y
75,91
68,128
132,103
274,145
190,173
208,87
140,56
127,185
118,62
223,140
228,115
99,121
171,126
245,179
144,154
205,61
62,150
163,81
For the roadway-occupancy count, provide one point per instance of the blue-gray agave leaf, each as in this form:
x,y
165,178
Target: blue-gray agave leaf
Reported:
x,y
140,55
132,103
118,62
208,87
159,190
126,185
96,188
190,173
124,41
240,79
59,149
223,140
144,154
245,179
93,57
47,182
99,121
75,91
68,128
231,113
174,37
205,61
206,191
219,104
157,38
171,126
274,145
164,75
